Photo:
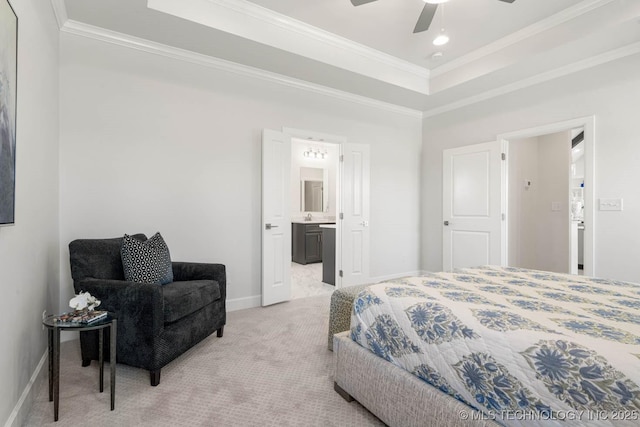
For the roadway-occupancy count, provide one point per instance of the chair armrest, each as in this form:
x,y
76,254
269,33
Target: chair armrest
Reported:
x,y
183,271
133,303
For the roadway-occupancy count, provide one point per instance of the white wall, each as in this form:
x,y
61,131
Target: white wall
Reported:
x,y
154,144
552,227
603,91
539,235
523,165
29,254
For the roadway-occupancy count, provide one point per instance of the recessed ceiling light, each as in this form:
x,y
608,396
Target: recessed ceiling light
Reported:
x,y
442,39
437,55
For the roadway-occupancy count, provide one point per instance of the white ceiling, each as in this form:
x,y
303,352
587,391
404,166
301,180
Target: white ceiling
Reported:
x,y
387,25
369,52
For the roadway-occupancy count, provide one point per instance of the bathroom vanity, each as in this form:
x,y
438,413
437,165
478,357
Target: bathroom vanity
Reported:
x,y
306,242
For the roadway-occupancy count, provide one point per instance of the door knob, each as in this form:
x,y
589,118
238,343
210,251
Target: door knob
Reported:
x,y
446,223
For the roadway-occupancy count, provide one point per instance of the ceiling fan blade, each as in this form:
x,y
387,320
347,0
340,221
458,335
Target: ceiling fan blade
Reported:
x,y
424,21
359,2
508,1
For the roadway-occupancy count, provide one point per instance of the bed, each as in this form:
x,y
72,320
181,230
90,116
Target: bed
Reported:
x,y
494,345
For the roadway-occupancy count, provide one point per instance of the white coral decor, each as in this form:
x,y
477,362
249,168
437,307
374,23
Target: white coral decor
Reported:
x,y
84,300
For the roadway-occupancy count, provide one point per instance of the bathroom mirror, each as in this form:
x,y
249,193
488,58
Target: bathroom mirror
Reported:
x,y
313,196
312,190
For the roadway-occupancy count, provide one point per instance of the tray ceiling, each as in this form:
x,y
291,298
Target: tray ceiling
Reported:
x,y
370,51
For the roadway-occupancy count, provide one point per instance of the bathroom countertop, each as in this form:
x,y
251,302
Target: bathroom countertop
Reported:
x,y
314,221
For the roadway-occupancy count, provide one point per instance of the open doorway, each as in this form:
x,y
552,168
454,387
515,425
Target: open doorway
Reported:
x,y
549,197
577,201
352,195
314,199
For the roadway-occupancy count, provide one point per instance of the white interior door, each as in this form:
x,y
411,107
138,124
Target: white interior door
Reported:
x,y
472,214
355,209
276,217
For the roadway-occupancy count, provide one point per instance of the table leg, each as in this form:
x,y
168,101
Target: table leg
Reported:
x,y
101,357
56,372
112,361
50,354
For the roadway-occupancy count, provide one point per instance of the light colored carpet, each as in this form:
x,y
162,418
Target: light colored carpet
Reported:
x,y
271,368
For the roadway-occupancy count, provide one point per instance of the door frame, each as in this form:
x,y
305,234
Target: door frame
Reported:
x,y
588,123
339,141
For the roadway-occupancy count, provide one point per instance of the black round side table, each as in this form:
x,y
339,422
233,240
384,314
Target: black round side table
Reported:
x,y
54,327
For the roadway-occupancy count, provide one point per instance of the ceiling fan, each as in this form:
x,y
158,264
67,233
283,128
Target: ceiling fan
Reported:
x,y
429,11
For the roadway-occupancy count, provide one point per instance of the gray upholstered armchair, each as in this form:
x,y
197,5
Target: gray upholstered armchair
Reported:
x,y
156,323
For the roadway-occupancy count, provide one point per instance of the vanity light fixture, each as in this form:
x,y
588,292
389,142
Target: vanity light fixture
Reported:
x,y
315,153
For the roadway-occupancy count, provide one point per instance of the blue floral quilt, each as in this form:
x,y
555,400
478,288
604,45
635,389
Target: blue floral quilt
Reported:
x,y
553,348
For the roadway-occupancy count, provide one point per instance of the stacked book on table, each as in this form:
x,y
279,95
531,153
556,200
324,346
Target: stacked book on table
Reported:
x,y
82,317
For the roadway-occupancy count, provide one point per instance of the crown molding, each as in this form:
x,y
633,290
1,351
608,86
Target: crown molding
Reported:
x,y
266,15
520,35
256,23
624,51
131,42
302,28
60,11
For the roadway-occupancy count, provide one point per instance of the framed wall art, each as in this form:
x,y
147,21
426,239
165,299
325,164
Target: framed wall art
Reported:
x,y
8,100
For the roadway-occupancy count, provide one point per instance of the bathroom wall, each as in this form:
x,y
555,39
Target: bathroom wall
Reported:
x,y
330,162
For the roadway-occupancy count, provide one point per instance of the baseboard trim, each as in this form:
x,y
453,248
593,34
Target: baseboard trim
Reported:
x,y
243,303
379,279
19,414
236,304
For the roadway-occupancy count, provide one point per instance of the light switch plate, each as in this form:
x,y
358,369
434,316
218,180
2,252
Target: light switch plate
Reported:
x,y
555,206
610,204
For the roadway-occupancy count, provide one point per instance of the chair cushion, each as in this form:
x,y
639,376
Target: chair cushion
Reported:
x,y
184,298
98,258
146,262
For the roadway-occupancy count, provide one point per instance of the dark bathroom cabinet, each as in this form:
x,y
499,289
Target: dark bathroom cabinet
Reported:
x,y
306,244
